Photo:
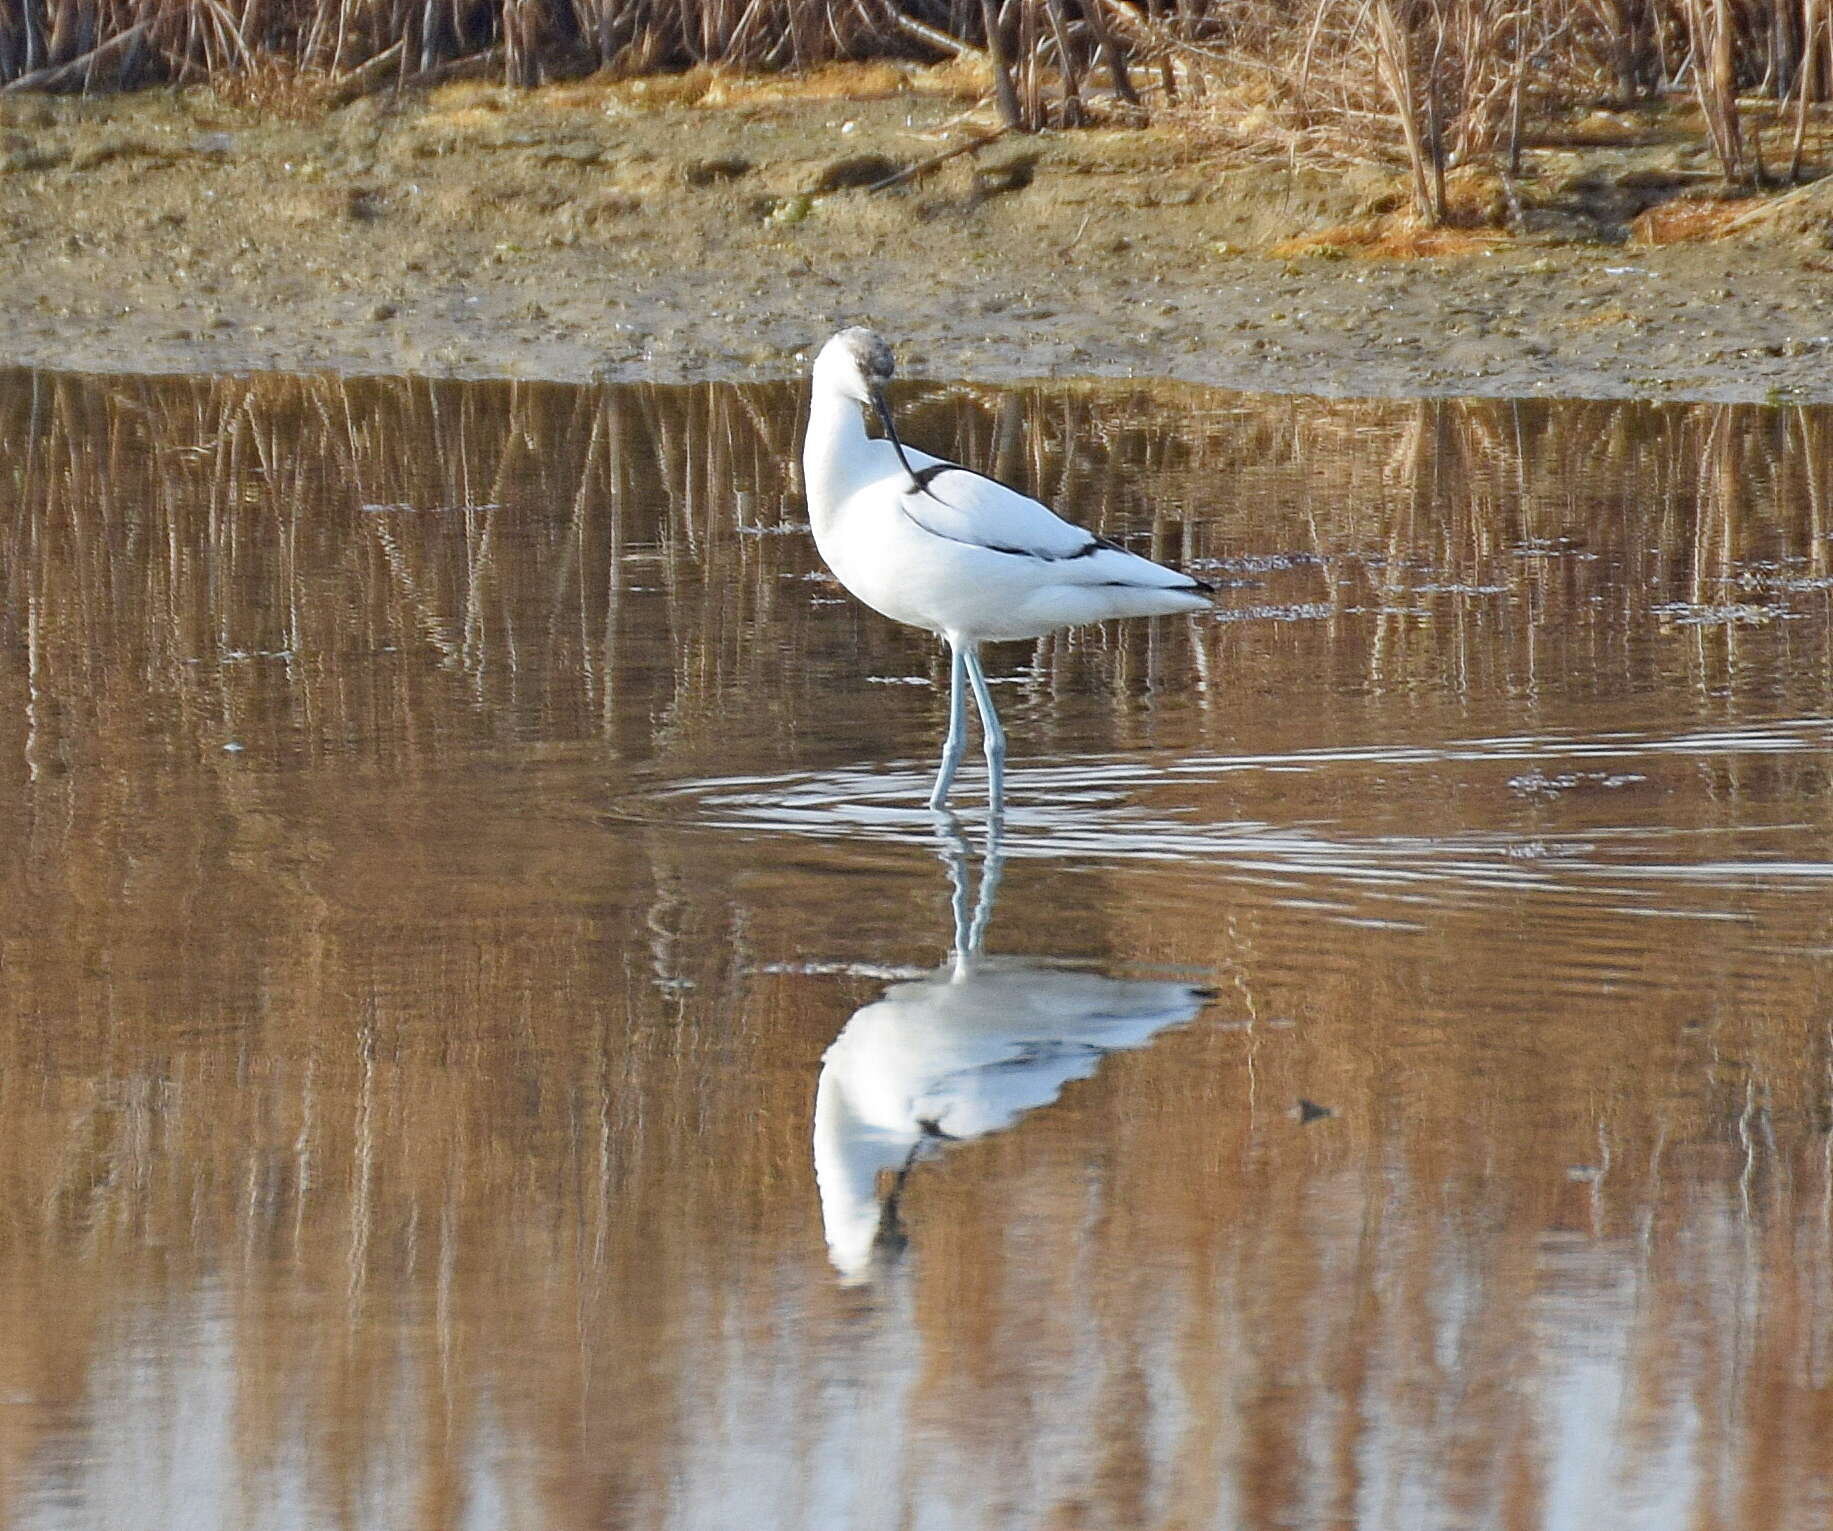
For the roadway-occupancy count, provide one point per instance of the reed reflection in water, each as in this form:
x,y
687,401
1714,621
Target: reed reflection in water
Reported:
x,y
414,1000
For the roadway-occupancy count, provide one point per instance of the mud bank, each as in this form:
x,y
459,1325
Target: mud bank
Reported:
x,y
594,231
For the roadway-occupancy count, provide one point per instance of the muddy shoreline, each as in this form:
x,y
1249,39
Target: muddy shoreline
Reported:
x,y
592,232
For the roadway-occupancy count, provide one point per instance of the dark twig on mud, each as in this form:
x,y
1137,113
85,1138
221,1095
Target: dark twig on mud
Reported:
x,y
923,166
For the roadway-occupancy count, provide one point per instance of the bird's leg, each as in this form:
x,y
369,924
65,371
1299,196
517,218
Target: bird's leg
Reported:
x,y
955,745
993,735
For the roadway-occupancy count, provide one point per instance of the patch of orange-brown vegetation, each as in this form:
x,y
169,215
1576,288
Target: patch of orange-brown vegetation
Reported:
x,y
1475,198
1688,220
1394,237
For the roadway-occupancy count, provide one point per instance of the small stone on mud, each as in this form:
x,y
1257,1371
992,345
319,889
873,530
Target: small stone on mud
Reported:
x,y
383,311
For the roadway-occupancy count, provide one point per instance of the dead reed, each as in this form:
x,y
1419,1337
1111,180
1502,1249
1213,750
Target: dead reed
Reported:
x,y
1458,76
1441,84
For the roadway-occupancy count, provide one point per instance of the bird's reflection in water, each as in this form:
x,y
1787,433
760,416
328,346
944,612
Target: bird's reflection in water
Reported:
x,y
964,1051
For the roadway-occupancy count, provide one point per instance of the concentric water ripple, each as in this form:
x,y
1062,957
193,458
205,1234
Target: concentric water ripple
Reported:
x,y
1163,809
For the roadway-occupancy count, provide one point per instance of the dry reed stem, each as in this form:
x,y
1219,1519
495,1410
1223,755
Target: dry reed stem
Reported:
x,y
1394,68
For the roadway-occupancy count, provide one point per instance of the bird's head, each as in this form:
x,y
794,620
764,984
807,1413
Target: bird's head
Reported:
x,y
856,363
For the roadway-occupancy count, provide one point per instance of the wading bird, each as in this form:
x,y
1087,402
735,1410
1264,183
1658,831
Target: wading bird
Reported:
x,y
938,546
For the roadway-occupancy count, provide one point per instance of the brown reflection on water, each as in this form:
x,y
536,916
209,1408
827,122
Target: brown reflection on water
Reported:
x,y
448,825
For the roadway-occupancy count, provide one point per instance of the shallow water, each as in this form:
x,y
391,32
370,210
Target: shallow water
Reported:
x,y
449,826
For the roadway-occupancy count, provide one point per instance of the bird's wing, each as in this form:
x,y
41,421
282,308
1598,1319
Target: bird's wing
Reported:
x,y
956,503
960,505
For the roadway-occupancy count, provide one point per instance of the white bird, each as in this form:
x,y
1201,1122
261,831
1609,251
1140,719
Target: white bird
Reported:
x,y
964,1051
938,546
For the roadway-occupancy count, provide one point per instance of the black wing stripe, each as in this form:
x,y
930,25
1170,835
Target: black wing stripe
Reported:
x,y
926,476
1096,545
1195,587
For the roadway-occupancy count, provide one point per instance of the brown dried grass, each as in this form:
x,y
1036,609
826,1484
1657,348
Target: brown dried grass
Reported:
x,y
1690,220
278,88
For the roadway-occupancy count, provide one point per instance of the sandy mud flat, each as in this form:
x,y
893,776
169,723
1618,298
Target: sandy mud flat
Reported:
x,y
617,232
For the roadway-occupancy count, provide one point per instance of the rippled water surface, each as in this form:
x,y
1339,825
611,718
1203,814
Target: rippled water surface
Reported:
x,y
491,1037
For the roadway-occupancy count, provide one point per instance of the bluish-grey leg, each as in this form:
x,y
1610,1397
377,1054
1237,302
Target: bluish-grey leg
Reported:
x,y
994,735
955,745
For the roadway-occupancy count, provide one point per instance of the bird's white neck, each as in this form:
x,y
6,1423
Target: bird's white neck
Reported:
x,y
833,453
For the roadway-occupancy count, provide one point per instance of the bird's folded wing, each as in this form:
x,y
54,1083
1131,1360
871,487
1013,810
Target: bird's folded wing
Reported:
x,y
961,505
